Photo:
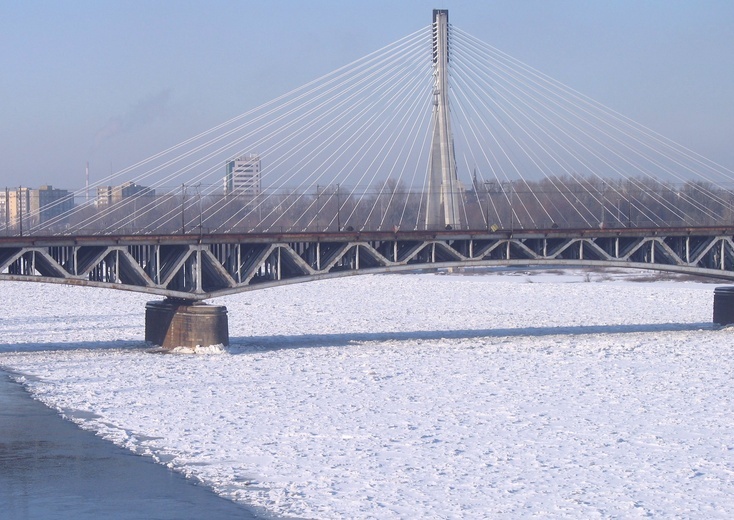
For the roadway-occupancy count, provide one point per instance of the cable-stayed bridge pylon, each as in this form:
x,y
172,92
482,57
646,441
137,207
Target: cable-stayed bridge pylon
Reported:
x,y
442,198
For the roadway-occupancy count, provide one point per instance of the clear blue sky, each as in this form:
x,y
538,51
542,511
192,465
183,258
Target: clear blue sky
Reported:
x,y
112,82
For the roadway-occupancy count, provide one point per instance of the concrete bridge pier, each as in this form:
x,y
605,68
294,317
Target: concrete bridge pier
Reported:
x,y
172,323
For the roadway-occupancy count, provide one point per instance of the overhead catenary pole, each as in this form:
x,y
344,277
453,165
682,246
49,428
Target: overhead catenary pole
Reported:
x,y
20,208
338,206
86,185
183,207
487,185
442,201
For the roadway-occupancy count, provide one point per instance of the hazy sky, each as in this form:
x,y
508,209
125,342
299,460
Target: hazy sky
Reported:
x,y
112,82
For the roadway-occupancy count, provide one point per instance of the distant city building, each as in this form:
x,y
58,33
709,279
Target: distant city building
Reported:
x,y
104,196
48,202
108,195
4,208
36,206
243,176
19,204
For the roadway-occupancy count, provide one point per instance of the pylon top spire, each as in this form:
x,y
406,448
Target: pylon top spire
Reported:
x,y
438,15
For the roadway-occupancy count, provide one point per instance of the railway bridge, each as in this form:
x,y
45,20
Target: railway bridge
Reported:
x,y
188,269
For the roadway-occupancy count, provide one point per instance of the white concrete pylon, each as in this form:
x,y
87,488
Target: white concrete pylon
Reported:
x,y
442,204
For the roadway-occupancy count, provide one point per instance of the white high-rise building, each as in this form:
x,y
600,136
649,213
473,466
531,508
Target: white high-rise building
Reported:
x,y
243,176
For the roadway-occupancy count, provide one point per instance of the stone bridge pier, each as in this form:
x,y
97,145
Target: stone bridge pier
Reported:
x,y
174,322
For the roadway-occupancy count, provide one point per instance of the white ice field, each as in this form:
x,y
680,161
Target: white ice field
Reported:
x,y
516,395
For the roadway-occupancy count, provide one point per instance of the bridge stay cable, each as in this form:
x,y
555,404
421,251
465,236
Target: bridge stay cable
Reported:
x,y
606,112
289,99
637,138
513,144
356,139
377,136
302,143
534,156
546,150
523,100
343,128
555,181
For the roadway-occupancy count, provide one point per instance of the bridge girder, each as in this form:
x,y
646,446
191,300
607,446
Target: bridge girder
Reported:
x,y
199,268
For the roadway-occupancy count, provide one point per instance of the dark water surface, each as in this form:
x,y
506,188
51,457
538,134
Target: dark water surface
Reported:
x,y
51,469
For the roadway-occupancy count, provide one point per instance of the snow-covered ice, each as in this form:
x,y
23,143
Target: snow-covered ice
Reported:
x,y
539,394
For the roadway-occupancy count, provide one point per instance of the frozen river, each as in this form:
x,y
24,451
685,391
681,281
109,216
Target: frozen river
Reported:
x,y
411,396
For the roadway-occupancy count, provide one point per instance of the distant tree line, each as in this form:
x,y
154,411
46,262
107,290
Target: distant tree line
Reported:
x,y
561,202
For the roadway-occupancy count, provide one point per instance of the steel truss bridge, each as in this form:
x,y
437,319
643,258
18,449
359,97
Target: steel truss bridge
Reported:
x,y
199,267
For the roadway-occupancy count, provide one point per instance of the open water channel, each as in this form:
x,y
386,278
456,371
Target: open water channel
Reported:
x,y
51,469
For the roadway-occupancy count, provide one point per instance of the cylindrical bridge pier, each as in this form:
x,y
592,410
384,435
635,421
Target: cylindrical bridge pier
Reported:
x,y
724,305
172,323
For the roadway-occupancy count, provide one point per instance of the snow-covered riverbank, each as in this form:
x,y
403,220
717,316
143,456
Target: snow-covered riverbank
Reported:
x,y
411,396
